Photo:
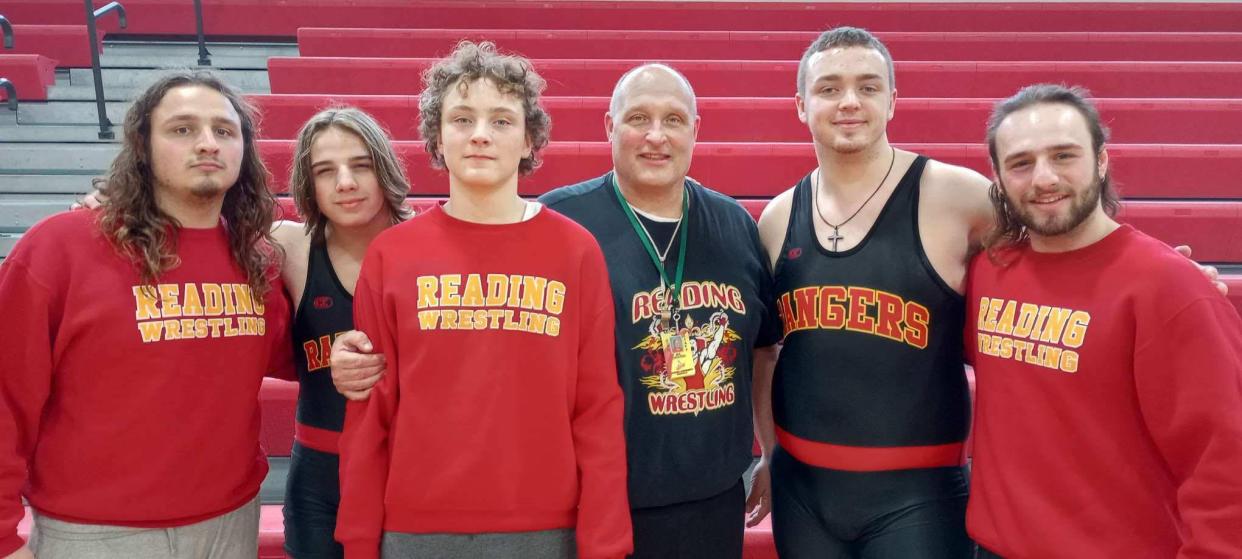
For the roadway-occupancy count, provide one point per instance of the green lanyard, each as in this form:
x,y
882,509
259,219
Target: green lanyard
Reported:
x,y
675,285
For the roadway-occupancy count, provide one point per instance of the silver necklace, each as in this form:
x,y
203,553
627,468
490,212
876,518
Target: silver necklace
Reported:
x,y
836,235
662,254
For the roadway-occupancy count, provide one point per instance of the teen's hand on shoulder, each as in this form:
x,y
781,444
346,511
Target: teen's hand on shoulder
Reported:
x,y
355,368
1210,272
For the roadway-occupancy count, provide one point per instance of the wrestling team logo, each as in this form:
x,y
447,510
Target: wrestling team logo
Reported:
x,y
709,385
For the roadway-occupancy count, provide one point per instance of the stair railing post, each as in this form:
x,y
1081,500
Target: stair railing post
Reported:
x,y
105,126
204,57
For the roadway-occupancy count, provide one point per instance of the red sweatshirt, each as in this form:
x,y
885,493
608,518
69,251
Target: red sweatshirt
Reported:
x,y
500,411
121,408
1109,420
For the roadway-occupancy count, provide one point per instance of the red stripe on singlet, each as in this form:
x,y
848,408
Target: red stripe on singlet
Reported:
x,y
870,459
322,440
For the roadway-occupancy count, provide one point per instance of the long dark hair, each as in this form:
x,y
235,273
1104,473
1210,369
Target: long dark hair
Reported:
x,y
1009,230
138,228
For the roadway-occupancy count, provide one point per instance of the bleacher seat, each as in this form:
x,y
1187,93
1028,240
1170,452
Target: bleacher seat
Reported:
x,y
774,119
769,45
750,170
765,78
267,18
1167,77
31,74
66,44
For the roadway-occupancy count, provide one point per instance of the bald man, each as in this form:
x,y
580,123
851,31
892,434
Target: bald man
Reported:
x,y
696,332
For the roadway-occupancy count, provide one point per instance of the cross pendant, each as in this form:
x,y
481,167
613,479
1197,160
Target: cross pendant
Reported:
x,y
835,238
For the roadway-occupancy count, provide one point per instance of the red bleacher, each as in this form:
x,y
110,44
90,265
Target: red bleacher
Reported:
x,y
31,74
1167,78
773,119
771,45
66,44
751,170
765,78
268,18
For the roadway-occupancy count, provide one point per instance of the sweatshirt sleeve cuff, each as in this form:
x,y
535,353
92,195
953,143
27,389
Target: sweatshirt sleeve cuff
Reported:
x,y
361,549
10,544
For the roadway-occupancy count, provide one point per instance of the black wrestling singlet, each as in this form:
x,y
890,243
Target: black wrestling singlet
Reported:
x,y
326,309
871,376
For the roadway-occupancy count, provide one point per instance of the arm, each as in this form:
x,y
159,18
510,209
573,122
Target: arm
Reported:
x,y
767,350
1188,376
603,528
355,366
28,330
759,502
364,442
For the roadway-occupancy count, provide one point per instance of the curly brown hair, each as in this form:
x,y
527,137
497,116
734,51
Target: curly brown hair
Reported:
x,y
1009,230
388,168
140,230
512,75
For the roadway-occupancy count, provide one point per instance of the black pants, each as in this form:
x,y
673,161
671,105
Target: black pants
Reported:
x,y
312,496
712,528
985,554
903,514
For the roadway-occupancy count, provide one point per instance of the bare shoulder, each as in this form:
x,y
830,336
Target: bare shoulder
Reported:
x,y
961,192
774,221
294,241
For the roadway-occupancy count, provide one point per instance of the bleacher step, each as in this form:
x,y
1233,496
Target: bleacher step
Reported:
x,y
54,133
141,77
45,184
19,211
177,55
23,158
68,112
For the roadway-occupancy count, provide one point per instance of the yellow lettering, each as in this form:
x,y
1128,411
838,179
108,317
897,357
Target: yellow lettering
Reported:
x,y
168,299
556,297
474,292
151,330
193,303
497,285
449,294
144,303
427,320
427,287
213,302
1077,330
532,292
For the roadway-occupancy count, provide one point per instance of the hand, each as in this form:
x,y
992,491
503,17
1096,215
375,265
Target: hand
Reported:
x,y
1210,272
355,369
22,552
93,199
759,502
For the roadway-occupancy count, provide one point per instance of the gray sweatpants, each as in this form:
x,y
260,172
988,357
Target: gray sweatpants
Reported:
x,y
544,544
233,535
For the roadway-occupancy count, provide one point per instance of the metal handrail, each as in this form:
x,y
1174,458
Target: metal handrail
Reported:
x,y
8,32
204,57
105,126
12,91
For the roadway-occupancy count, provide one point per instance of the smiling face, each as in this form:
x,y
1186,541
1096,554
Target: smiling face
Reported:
x,y
347,189
1048,170
652,128
847,99
483,135
196,145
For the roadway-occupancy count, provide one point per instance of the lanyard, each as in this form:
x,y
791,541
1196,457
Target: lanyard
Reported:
x,y
675,285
